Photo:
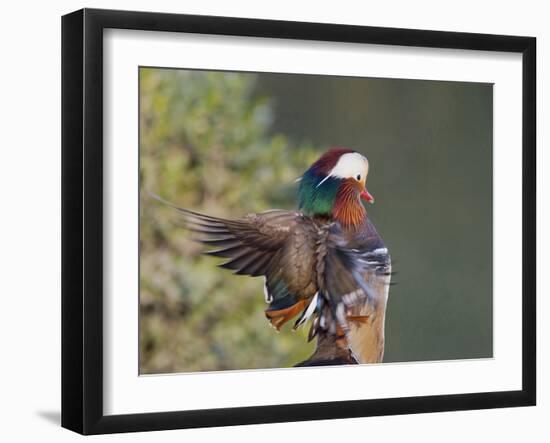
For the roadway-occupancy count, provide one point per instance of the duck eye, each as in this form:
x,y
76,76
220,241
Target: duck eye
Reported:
x,y
358,177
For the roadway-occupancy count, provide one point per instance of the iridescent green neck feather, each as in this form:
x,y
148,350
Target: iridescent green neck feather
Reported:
x,y
314,199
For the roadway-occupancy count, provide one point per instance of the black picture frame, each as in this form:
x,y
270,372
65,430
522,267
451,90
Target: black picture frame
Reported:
x,y
82,220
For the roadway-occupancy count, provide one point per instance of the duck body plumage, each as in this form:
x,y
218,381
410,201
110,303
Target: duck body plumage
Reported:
x,y
314,269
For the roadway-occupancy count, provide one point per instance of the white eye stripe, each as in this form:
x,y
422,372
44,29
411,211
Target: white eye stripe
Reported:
x,y
351,164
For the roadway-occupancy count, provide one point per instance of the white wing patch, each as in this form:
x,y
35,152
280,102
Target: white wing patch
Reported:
x,y
267,295
308,312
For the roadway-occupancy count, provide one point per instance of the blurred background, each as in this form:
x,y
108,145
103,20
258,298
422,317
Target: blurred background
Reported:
x,y
231,143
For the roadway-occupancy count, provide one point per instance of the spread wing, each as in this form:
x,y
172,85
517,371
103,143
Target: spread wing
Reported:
x,y
250,244
278,245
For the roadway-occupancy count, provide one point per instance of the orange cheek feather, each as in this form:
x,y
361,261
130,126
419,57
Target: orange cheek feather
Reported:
x,y
348,210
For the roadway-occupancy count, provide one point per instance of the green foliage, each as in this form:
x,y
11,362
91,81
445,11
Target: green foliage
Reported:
x,y
204,145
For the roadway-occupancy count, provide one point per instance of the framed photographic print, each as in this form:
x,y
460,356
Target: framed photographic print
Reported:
x,y
269,221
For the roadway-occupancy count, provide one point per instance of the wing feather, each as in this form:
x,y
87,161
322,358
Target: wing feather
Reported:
x,y
351,279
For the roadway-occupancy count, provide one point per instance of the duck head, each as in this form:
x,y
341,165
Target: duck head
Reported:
x,y
334,186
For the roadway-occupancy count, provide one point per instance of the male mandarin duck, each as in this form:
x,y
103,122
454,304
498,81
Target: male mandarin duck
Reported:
x,y
325,262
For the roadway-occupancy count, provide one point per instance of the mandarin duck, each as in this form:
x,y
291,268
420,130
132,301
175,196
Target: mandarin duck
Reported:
x,y
324,263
